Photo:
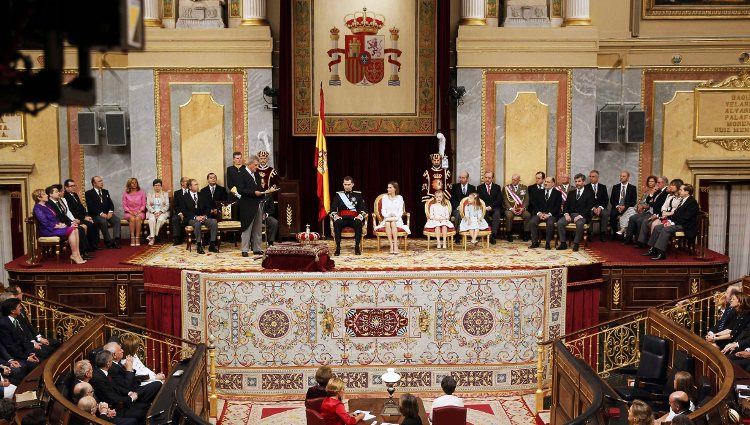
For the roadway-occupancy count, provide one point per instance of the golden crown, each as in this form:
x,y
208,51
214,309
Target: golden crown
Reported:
x,y
263,154
436,156
364,23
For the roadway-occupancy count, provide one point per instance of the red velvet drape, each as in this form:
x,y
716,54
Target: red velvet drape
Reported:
x,y
163,301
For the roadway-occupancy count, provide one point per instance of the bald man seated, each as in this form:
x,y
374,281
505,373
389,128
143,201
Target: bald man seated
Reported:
x,y
679,404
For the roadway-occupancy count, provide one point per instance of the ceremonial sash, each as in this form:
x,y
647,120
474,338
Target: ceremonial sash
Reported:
x,y
351,210
562,192
516,199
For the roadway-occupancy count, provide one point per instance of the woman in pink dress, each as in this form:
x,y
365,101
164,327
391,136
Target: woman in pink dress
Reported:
x,y
134,204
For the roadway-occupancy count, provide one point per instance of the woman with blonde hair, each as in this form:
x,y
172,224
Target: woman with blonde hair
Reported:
x,y
439,218
392,209
134,204
130,347
333,410
640,414
47,224
473,220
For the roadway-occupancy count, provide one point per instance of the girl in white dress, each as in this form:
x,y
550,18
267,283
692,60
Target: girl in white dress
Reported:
x,y
473,220
439,218
392,209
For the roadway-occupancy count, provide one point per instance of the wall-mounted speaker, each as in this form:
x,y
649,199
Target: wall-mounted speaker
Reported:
x,y
635,127
88,133
117,132
608,126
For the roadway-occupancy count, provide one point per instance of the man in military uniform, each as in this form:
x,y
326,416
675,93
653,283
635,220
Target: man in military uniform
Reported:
x,y
436,178
348,209
516,204
268,175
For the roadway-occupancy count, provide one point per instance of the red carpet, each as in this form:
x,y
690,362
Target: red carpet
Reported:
x,y
104,259
614,253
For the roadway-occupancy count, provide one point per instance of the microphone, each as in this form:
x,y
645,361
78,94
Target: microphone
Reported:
x,y
619,400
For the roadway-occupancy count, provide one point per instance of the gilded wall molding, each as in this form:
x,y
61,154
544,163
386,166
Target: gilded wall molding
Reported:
x,y
740,82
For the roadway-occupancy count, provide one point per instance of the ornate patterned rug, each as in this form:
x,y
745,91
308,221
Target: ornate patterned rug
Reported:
x,y
504,255
273,331
511,410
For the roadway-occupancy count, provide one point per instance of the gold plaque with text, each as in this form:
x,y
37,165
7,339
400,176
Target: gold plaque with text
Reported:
x,y
722,113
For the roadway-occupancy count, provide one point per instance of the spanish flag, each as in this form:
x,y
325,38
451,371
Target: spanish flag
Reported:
x,y
321,164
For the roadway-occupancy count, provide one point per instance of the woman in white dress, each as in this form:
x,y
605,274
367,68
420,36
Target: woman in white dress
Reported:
x,y
157,210
473,220
130,346
392,209
439,218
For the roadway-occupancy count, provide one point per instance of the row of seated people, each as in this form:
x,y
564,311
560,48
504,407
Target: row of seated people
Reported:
x,y
22,347
115,385
327,395
8,410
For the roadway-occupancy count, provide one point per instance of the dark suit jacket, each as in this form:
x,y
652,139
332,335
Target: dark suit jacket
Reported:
x,y
656,202
75,205
457,195
122,378
233,177
247,184
493,199
15,341
60,216
177,201
337,205
548,206
600,197
97,206
190,210
687,217
220,194
533,189
580,206
631,195
108,391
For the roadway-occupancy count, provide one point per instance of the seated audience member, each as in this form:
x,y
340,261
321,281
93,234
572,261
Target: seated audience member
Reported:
x,y
682,420
448,384
12,369
492,195
178,217
546,205
134,204
439,218
516,204
102,210
652,205
113,394
726,314
577,210
685,218
47,224
622,198
73,201
194,210
214,194
459,191
8,389
322,376
130,347
7,411
81,390
683,381
601,201
409,409
123,374
741,305
13,337
473,220
679,404
333,410
84,390
667,209
83,371
58,204
157,210
640,414
34,417
28,327
392,211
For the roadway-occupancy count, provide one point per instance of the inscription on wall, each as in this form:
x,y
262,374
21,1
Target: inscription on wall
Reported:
x,y
722,113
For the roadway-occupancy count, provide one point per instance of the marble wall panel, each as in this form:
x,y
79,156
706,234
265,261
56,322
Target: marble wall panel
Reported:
x,y
664,92
583,121
469,125
258,117
64,140
142,125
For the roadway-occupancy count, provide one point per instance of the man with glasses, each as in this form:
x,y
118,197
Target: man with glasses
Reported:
x,y
79,212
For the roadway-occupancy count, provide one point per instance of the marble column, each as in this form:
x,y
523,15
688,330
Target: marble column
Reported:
x,y
577,13
254,12
472,12
491,10
151,15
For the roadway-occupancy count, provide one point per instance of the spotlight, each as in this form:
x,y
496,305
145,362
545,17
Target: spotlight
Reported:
x,y
456,92
269,92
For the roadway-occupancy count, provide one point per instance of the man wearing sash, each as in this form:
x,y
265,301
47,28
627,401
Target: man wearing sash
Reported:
x,y
516,203
268,175
348,209
436,178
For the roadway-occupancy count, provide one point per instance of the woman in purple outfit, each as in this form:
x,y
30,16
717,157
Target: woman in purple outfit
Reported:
x,y
49,225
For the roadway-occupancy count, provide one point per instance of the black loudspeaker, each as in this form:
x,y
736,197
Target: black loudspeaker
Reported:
x,y
117,132
88,134
608,126
635,127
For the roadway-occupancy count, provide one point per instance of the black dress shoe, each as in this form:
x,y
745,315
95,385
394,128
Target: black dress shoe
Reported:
x,y
639,245
628,241
650,252
87,257
357,250
245,254
493,240
562,246
199,249
525,238
257,252
575,247
660,256
547,246
534,245
213,248
177,242
510,238
337,252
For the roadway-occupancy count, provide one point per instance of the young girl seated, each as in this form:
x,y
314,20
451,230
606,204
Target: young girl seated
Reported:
x,y
439,218
473,220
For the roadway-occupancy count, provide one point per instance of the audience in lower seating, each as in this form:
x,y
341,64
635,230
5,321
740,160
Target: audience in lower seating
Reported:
x,y
448,384
322,376
640,413
409,409
113,393
333,410
123,374
741,304
13,337
8,389
679,405
34,417
7,411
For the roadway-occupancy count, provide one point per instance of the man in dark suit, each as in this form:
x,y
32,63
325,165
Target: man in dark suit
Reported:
x,y
272,224
348,209
79,213
15,341
114,395
601,200
249,188
546,203
492,195
624,195
194,210
459,191
685,218
577,209
64,215
13,369
233,171
177,216
215,194
123,375
102,210
48,345
537,186
653,205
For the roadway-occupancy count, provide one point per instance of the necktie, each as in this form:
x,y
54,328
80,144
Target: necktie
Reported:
x,y
18,325
541,187
488,189
622,194
578,194
595,188
62,207
195,199
99,192
212,192
723,320
463,190
546,195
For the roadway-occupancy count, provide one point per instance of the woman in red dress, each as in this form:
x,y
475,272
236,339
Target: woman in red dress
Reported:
x,y
333,410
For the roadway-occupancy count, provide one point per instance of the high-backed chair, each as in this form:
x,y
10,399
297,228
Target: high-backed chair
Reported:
x,y
430,232
652,367
449,415
314,418
226,220
349,233
483,234
46,244
377,218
